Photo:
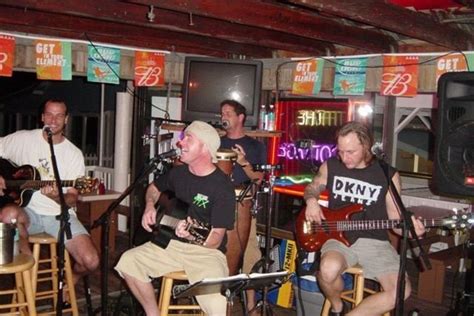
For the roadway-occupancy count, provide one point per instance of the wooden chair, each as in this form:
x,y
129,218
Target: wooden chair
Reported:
x,y
354,295
45,271
21,267
166,291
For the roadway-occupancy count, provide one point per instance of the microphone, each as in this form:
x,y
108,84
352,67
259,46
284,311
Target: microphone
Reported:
x,y
169,154
47,129
225,124
377,150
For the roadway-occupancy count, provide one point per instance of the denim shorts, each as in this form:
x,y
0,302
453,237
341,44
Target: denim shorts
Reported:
x,y
50,224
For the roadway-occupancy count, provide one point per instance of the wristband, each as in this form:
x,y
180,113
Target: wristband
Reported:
x,y
244,165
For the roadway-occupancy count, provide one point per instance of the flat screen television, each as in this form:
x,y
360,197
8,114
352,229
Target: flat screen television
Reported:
x,y
209,81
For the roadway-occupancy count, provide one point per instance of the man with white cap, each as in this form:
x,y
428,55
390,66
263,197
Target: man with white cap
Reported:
x,y
210,196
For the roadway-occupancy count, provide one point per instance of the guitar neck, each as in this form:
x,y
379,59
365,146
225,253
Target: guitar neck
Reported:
x,y
379,224
36,184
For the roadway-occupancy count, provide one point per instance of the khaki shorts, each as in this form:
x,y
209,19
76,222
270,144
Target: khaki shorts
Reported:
x,y
377,257
150,261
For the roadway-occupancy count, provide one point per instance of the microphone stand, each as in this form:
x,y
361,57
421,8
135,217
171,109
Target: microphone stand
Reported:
x,y
64,226
104,221
407,227
266,308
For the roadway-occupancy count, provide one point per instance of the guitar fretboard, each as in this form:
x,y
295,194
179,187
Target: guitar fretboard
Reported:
x,y
36,184
376,224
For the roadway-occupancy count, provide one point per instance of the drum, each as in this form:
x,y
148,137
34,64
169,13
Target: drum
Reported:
x,y
225,160
238,237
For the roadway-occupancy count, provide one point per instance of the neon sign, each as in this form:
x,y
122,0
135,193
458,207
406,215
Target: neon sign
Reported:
x,y
317,152
320,118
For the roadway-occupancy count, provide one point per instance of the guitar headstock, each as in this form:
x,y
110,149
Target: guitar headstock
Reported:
x,y
86,184
459,220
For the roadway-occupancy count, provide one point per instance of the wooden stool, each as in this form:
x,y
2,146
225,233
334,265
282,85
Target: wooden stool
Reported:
x,y
165,294
21,267
46,271
356,294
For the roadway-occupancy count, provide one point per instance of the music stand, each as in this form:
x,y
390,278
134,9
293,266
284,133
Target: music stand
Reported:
x,y
232,285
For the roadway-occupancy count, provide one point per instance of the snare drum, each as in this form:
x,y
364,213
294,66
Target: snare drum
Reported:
x,y
225,160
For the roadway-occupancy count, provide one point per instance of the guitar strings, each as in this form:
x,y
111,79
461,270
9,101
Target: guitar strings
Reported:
x,y
388,223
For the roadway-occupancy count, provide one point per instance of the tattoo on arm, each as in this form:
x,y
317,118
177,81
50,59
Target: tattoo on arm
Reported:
x,y
313,189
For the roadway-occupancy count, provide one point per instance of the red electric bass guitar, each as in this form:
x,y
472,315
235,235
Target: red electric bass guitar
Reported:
x,y
311,236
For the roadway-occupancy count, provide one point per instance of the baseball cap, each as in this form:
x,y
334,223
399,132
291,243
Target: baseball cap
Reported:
x,y
208,135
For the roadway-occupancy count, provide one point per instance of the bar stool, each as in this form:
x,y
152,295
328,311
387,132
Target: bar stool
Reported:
x,y
166,291
356,294
21,267
45,271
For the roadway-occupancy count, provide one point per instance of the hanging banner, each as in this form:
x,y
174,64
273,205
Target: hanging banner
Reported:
x,y
308,76
7,53
400,76
53,60
103,64
450,63
470,61
349,77
149,69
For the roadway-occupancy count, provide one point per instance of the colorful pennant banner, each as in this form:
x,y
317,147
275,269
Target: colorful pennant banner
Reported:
x,y
349,77
103,64
7,54
308,76
53,60
400,76
450,63
149,69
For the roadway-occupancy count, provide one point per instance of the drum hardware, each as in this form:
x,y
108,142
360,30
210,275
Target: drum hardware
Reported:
x,y
266,167
245,192
256,206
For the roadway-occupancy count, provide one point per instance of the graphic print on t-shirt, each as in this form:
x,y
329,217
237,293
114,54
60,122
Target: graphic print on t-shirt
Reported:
x,y
44,168
200,200
355,191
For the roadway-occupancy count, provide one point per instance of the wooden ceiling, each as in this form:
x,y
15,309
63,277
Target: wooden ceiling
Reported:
x,y
250,28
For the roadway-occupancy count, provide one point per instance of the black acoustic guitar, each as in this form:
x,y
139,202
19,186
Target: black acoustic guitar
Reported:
x,y
23,181
168,217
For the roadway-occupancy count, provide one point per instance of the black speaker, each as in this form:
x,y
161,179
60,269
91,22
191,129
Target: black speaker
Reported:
x,y
454,152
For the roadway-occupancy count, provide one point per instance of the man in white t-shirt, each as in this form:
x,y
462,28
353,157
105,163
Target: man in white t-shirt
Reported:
x,y
31,147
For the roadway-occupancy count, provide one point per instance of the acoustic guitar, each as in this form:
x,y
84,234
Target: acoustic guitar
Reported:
x,y
23,181
167,219
311,236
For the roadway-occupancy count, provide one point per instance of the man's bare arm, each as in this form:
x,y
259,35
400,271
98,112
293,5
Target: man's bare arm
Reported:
x,y
317,185
311,195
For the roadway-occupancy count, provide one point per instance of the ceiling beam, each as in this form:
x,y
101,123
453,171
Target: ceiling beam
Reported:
x,y
50,24
133,14
394,18
283,19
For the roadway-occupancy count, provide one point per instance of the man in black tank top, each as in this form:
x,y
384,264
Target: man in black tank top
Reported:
x,y
355,177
